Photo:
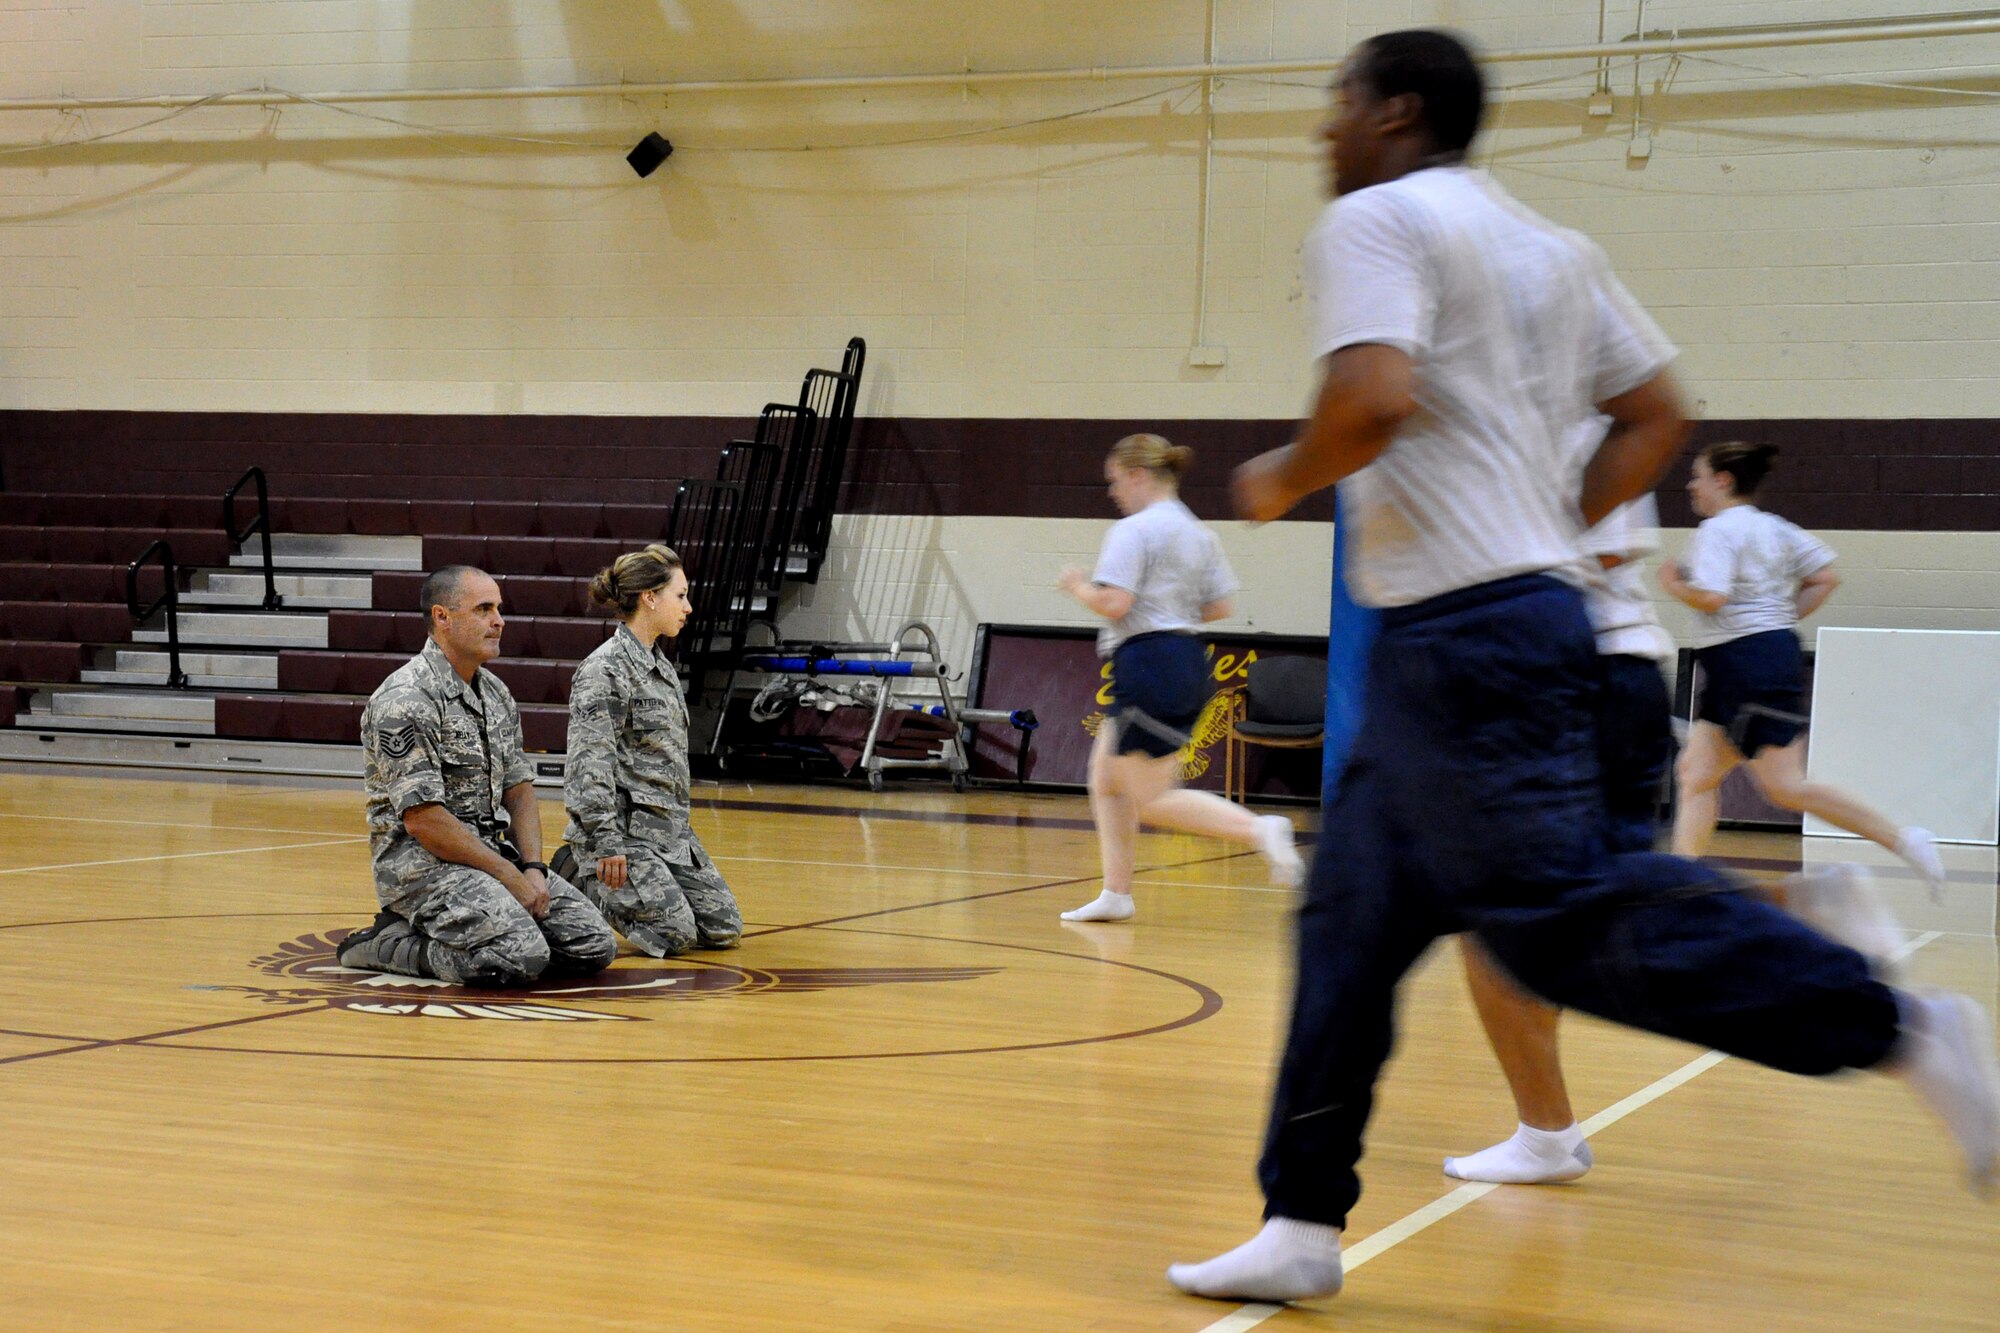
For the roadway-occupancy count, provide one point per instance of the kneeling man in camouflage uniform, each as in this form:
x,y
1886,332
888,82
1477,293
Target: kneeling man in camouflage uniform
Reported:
x,y
448,781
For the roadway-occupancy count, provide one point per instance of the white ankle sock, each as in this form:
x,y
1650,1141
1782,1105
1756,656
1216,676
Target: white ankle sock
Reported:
x,y
1840,903
1532,1157
1278,841
1919,848
1106,906
1946,1054
1288,1260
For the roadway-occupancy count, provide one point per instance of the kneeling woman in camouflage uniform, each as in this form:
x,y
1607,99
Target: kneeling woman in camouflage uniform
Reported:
x,y
626,788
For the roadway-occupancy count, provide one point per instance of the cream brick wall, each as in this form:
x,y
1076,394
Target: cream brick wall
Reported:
x,y
1816,251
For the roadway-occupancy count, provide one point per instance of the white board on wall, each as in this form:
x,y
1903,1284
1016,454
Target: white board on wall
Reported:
x,y
1908,720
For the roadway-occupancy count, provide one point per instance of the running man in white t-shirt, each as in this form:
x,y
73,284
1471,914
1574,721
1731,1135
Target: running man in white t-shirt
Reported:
x,y
1751,577
1464,339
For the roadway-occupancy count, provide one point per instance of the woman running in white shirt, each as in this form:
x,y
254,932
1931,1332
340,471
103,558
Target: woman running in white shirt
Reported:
x,y
1752,576
1159,575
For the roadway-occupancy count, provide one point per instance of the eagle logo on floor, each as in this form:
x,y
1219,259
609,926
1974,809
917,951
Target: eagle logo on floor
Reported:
x,y
310,959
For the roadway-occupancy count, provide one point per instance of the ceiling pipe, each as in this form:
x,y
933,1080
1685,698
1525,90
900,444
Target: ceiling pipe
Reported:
x,y
1803,35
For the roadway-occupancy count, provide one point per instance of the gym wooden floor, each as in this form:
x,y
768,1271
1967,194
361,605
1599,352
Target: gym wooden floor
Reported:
x,y
912,1100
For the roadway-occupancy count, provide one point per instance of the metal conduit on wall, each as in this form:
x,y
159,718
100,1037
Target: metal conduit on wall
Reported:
x,y
1801,35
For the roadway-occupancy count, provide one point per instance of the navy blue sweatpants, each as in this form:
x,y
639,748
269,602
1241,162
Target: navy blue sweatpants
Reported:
x,y
1473,801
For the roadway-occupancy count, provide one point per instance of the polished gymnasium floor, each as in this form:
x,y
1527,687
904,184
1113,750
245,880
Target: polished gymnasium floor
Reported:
x,y
912,1100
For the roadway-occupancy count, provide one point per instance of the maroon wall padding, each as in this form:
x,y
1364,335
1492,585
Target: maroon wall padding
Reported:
x,y
375,631
400,589
85,622
314,719
36,582
52,663
95,545
312,672
1921,475
548,597
570,520
564,640
455,550
544,728
310,513
33,620
505,518
516,555
351,455
250,716
528,557
520,594
444,518
307,718
10,706
378,518
328,673
580,558
197,513
634,523
561,639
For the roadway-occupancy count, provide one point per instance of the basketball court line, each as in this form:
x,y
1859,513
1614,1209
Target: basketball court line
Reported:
x,y
977,897
87,1045
170,823
185,856
147,1039
1387,1238
1210,884
876,865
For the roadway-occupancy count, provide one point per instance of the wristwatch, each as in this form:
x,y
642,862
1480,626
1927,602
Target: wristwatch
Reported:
x,y
542,866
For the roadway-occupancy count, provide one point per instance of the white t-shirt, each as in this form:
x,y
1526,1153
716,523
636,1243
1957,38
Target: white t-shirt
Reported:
x,y
1757,560
1170,563
1518,329
1620,608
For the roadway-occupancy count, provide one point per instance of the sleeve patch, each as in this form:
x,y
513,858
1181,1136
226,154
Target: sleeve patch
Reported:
x,y
397,742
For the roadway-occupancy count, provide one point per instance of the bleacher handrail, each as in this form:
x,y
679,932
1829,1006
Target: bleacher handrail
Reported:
x,y
259,524
168,598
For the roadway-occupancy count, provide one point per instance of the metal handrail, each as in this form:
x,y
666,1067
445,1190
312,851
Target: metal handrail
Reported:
x,y
261,523
169,598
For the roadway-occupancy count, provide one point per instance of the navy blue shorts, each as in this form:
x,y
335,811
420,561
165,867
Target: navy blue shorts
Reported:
x,y
1635,747
1753,688
1159,685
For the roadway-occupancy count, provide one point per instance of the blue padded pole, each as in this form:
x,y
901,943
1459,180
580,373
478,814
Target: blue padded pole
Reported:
x,y
1350,634
840,666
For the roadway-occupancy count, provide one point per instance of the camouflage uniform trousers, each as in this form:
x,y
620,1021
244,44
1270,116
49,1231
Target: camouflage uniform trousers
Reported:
x,y
477,934
666,909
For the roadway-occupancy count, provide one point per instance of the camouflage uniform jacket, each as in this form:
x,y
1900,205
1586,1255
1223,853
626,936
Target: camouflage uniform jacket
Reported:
x,y
627,775
428,737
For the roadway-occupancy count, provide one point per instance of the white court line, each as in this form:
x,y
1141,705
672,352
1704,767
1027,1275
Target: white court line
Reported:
x,y
1210,884
1376,1242
179,856
170,823
874,865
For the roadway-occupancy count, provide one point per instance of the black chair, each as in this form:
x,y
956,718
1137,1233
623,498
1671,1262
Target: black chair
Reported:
x,y
1282,705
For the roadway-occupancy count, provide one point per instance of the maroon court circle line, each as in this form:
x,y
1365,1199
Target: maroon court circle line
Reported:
x,y
1211,1004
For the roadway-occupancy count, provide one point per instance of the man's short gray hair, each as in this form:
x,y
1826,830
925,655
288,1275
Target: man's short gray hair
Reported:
x,y
442,588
